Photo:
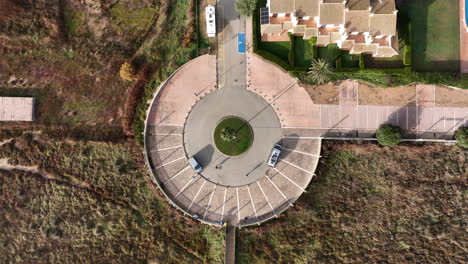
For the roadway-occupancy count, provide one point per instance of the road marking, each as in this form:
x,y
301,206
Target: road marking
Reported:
x,y
253,205
297,185
305,153
304,170
195,198
282,194
157,150
224,204
183,189
266,198
170,162
209,202
177,174
238,207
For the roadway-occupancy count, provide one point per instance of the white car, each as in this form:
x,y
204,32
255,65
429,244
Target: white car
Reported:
x,y
275,153
197,167
210,21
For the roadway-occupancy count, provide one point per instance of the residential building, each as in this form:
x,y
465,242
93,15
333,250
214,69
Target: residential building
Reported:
x,y
360,26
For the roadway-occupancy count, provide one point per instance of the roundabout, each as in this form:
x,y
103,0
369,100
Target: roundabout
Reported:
x,y
230,131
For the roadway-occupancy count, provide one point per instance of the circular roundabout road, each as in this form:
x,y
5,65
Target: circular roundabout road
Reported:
x,y
240,190
231,171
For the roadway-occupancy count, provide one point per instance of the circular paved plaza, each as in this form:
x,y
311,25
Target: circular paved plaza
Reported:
x,y
241,190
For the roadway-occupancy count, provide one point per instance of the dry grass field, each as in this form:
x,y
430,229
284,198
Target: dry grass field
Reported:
x,y
65,201
372,205
68,54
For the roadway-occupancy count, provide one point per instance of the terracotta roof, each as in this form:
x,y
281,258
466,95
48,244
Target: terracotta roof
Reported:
x,y
282,6
307,8
332,13
357,20
358,4
383,25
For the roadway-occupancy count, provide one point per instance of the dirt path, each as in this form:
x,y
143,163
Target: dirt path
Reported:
x,y
4,165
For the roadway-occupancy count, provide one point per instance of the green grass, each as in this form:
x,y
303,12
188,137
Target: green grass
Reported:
x,y
369,204
100,207
243,140
435,34
278,48
304,53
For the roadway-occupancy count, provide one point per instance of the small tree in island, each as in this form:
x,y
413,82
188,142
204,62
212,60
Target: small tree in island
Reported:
x,y
246,7
228,134
388,135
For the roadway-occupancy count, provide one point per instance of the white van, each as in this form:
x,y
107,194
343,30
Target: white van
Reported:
x,y
275,153
210,21
197,167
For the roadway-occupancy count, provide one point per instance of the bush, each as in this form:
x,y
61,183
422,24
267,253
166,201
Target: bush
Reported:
x,y
127,72
292,49
462,137
407,55
362,64
388,135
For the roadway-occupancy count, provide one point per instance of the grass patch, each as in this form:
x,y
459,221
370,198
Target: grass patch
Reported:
x,y
277,48
233,136
435,29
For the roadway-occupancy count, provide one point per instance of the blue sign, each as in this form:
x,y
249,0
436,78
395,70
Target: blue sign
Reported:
x,y
241,42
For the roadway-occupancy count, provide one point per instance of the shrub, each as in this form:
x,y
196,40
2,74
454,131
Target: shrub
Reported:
x,y
388,135
362,64
127,72
246,7
462,137
292,48
407,55
273,58
319,71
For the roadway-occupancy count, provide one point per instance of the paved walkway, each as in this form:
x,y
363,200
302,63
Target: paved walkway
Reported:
x,y
463,39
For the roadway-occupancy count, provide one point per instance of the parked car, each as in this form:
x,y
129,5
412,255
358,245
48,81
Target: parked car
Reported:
x,y
210,12
275,153
197,167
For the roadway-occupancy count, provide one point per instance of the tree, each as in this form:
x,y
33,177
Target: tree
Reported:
x,y
127,72
246,7
462,137
388,135
319,71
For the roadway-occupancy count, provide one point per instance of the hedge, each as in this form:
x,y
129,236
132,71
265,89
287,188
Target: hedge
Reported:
x,y
362,64
292,53
462,137
407,48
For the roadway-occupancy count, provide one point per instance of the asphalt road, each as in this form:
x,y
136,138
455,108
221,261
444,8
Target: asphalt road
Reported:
x,y
231,64
198,136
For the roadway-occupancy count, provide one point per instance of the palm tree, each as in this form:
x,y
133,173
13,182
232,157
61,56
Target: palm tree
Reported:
x,y
246,7
319,71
